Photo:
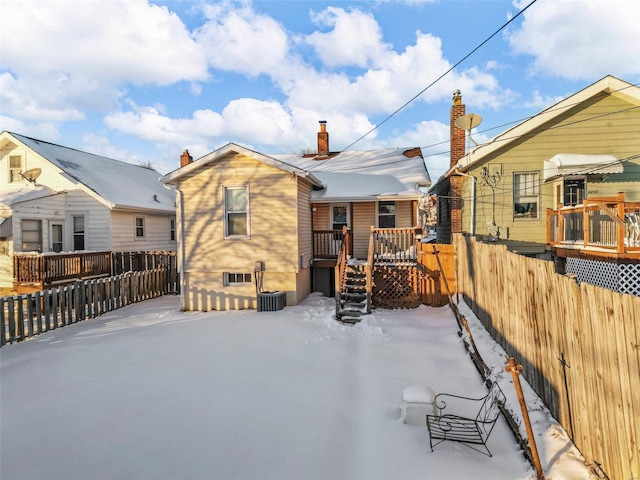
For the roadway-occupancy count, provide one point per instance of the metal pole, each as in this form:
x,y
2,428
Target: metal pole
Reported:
x,y
515,372
565,365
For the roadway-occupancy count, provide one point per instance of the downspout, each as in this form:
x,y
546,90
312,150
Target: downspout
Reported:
x,y
181,253
472,220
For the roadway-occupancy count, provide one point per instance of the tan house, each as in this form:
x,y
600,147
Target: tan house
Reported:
x,y
283,215
57,199
577,151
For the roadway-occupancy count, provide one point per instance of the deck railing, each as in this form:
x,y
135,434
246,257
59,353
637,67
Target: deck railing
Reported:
x,y
327,244
394,245
40,271
607,223
56,267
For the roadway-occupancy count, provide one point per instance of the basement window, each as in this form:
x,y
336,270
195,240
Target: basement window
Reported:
x,y
231,279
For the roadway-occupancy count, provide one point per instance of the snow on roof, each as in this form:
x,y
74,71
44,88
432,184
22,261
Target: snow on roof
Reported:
x,y
365,175
23,194
120,183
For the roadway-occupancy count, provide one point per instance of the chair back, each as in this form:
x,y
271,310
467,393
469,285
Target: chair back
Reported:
x,y
490,408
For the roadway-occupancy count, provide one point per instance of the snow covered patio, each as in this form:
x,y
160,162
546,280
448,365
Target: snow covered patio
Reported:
x,y
148,392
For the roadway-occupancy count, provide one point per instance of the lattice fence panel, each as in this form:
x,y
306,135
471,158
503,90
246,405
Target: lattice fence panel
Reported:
x,y
396,286
630,279
623,278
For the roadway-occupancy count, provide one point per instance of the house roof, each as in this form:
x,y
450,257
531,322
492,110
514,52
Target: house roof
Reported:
x,y
25,193
347,176
120,185
366,175
212,157
607,85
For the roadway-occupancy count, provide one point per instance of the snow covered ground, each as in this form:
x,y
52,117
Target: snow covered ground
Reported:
x,y
149,392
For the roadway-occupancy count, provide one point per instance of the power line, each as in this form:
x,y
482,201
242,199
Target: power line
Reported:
x,y
442,76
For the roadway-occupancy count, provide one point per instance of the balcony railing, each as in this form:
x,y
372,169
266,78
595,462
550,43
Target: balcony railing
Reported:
x,y
47,269
394,245
602,223
327,244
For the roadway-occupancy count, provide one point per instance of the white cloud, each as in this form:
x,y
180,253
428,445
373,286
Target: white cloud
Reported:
x,y
131,41
585,39
61,58
355,38
241,40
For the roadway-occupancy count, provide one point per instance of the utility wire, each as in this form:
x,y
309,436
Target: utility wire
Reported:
x,y
443,75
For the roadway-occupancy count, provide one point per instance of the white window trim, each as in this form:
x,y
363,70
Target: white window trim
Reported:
x,y
51,226
135,227
395,215
331,219
248,211
70,234
10,170
40,231
173,230
537,195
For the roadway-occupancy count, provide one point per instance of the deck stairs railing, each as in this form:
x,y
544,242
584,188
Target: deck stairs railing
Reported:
x,y
392,259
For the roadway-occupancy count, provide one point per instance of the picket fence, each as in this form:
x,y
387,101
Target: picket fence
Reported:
x,y
26,315
579,346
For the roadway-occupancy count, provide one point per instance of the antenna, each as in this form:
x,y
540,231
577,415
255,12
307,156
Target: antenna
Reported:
x,y
31,175
468,122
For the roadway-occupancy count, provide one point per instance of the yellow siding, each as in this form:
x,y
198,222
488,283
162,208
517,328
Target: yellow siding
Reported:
x,y
275,210
321,216
589,128
364,217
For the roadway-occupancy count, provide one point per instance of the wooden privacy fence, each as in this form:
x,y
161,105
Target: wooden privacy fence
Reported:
x,y
438,273
579,346
23,316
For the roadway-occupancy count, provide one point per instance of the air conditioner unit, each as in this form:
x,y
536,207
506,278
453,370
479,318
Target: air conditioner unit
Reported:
x,y
271,301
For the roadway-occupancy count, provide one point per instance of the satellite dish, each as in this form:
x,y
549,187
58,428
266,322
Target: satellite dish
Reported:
x,y
31,175
468,122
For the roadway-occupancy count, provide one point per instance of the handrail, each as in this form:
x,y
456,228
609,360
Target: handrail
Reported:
x,y
341,267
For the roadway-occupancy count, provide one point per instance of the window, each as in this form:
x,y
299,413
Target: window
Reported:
x,y
31,236
172,229
236,211
15,167
139,227
386,214
78,232
237,279
56,237
574,189
526,191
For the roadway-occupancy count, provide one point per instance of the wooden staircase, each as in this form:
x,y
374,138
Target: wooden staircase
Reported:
x,y
352,299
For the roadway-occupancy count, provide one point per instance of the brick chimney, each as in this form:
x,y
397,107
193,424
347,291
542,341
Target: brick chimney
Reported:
x,y
458,147
323,140
457,135
185,159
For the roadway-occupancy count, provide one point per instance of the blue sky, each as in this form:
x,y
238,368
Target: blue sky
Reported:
x,y
141,80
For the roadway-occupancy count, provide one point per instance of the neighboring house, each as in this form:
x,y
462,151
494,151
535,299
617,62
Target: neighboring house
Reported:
x,y
239,210
585,146
58,199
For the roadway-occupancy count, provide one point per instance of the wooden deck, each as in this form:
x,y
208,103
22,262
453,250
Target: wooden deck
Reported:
x,y
602,227
35,272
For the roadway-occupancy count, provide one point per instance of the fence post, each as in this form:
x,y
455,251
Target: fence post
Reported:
x,y
515,372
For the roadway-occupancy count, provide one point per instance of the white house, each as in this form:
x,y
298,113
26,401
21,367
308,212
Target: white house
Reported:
x,y
58,199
